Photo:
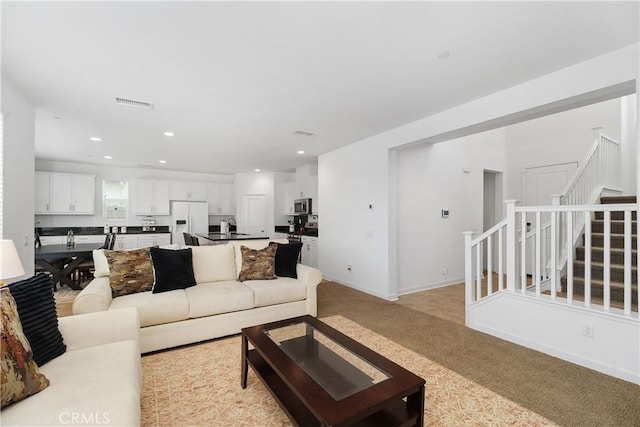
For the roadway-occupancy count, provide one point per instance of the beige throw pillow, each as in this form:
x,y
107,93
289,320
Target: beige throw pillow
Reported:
x,y
21,377
258,264
213,263
130,271
100,263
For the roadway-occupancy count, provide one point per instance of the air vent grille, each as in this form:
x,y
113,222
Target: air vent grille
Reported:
x,y
134,103
304,133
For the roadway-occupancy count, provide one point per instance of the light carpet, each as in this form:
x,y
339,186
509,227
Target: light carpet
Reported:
x,y
199,385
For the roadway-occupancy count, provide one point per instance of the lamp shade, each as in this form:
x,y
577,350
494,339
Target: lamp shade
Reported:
x,y
10,265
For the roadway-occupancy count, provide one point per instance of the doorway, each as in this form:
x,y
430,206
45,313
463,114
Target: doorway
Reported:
x,y
540,184
254,214
492,209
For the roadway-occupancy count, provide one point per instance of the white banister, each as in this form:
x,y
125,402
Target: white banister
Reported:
x,y
627,262
607,260
587,259
511,244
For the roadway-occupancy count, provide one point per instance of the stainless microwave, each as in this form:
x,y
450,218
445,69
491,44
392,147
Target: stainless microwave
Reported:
x,y
302,206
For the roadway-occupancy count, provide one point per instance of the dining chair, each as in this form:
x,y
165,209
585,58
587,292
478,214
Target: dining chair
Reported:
x,y
187,239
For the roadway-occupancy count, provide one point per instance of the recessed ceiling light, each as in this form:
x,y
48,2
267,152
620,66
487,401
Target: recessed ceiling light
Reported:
x,y
169,133
444,54
162,161
108,157
300,151
257,170
95,138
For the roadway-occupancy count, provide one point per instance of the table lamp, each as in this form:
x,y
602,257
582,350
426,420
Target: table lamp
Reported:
x,y
10,265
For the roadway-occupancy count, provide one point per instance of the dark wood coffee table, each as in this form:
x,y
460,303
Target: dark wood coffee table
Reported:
x,y
321,377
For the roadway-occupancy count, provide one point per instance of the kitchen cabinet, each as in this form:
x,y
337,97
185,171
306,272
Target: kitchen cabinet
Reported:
x,y
289,191
125,242
65,193
220,198
188,190
313,193
309,254
53,240
152,197
146,240
95,238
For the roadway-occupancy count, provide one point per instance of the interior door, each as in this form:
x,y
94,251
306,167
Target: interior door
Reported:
x,y
254,214
540,184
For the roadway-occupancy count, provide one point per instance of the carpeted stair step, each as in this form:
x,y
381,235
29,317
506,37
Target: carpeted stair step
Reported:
x,y
597,255
617,226
616,271
617,240
597,289
608,200
615,215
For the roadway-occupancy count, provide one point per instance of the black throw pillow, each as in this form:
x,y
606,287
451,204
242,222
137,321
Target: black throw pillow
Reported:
x,y
287,259
37,310
172,269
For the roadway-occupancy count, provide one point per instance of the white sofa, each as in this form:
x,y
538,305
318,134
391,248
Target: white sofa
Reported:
x,y
217,306
97,381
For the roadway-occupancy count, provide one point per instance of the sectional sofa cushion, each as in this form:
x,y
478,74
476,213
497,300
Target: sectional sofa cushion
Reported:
x,y
155,309
214,263
172,269
258,264
271,292
21,377
38,316
130,271
208,299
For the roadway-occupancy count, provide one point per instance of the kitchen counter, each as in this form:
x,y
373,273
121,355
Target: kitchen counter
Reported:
x,y
93,231
219,237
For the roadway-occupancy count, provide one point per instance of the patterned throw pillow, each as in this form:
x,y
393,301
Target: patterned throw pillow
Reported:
x,y
20,375
258,264
130,271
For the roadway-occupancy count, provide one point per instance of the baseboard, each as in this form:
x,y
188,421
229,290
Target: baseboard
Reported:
x,y
429,286
361,289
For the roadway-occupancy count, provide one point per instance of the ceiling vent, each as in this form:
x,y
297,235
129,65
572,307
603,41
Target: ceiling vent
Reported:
x,y
304,133
134,103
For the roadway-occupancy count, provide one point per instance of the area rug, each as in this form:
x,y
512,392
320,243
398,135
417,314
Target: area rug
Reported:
x,y
199,385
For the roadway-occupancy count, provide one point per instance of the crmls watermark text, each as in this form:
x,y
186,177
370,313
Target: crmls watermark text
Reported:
x,y
84,418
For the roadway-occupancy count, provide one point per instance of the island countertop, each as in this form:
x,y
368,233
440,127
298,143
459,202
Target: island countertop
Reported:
x,y
224,237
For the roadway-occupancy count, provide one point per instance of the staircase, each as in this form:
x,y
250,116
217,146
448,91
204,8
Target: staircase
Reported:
x,y
616,257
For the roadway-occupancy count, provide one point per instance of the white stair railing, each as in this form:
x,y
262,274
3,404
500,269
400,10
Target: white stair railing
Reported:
x,y
599,170
517,253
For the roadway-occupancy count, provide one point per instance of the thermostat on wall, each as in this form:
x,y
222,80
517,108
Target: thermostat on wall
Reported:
x,y
445,213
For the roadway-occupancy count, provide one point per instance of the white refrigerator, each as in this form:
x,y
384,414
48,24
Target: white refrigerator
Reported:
x,y
188,217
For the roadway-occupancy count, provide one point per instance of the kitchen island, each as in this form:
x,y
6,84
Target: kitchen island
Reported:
x,y
218,238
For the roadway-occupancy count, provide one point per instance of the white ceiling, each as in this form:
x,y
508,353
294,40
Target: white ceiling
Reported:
x,y
234,80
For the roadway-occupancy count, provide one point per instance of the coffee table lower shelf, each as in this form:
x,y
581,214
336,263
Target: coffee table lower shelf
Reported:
x,y
395,414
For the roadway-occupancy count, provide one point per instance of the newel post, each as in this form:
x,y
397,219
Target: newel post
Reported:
x,y
468,274
511,244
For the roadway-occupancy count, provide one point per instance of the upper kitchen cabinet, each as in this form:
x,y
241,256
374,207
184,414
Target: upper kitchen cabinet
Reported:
x,y
152,197
289,195
65,193
220,198
305,181
188,190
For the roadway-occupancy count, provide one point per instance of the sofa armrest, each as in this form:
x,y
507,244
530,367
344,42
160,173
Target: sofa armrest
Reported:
x,y
96,296
309,275
312,278
92,329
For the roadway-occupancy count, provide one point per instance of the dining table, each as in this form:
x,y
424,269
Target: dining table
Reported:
x,y
67,257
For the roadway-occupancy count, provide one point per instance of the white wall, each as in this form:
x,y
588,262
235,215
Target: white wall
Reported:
x,y
17,175
256,183
103,172
560,138
352,177
614,348
431,178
